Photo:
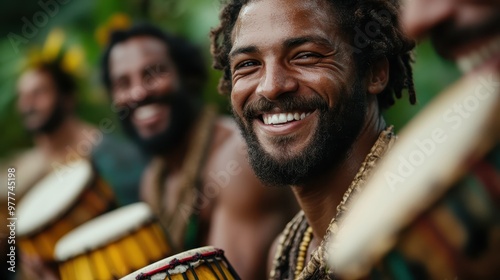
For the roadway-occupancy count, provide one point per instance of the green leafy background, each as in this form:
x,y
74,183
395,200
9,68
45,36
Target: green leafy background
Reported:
x,y
189,18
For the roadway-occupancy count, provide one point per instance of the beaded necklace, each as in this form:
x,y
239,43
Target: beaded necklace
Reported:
x,y
286,264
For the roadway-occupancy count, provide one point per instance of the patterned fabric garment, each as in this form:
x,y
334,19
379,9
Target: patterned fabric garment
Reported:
x,y
285,260
458,237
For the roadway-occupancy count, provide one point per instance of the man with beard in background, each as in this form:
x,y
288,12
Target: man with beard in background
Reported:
x,y
199,182
308,81
46,101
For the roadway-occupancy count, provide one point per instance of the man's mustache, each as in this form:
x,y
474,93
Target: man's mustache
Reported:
x,y
287,103
164,99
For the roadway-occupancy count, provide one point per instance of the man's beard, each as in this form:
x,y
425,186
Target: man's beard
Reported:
x,y
337,130
182,113
52,123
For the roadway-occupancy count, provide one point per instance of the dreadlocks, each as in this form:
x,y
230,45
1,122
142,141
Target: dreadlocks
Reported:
x,y
373,32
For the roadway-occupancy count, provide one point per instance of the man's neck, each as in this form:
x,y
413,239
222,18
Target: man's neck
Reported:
x,y
319,199
68,134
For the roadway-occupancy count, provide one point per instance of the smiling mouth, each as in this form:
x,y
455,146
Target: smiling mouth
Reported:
x,y
283,118
146,111
480,55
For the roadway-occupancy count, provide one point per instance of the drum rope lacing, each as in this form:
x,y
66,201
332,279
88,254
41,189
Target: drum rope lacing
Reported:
x,y
184,261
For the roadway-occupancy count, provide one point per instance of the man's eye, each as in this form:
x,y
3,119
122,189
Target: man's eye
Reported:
x,y
247,63
308,55
120,84
155,70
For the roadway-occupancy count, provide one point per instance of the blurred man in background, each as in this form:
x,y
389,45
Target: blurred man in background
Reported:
x,y
47,104
46,101
199,182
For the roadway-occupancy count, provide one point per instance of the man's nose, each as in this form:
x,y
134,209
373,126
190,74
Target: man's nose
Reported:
x,y
138,92
276,80
421,16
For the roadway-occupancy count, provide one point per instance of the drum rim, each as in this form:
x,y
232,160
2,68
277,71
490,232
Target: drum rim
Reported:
x,y
175,261
37,225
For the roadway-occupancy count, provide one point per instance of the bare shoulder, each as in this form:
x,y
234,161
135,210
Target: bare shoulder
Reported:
x,y
226,131
227,144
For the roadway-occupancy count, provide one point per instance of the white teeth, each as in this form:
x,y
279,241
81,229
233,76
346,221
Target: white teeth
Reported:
x,y
145,112
479,56
283,117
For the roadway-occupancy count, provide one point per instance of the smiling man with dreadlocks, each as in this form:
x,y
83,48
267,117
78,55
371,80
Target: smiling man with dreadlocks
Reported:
x,y
308,81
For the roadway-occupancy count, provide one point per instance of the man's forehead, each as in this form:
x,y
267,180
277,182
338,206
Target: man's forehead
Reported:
x,y
33,77
264,20
138,49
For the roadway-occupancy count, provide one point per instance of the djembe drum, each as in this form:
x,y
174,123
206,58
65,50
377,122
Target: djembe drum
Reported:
x,y
201,263
60,202
432,207
112,245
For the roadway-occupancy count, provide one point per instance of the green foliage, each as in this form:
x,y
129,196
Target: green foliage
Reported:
x,y
431,75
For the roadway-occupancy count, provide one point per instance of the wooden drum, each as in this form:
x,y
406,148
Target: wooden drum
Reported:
x,y
201,263
60,202
112,245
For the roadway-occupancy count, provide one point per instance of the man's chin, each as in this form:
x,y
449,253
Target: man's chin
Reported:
x,y
283,152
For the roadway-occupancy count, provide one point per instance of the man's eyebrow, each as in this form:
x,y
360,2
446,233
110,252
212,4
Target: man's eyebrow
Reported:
x,y
289,43
294,42
242,50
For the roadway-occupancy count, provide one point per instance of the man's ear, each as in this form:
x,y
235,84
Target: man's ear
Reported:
x,y
378,77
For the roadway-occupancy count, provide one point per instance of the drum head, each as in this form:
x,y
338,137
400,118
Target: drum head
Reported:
x,y
103,230
52,196
182,262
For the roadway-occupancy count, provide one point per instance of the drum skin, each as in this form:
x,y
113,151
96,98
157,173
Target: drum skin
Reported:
x,y
93,199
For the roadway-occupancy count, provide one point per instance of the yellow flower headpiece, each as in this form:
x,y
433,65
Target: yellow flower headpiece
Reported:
x,y
118,21
70,59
